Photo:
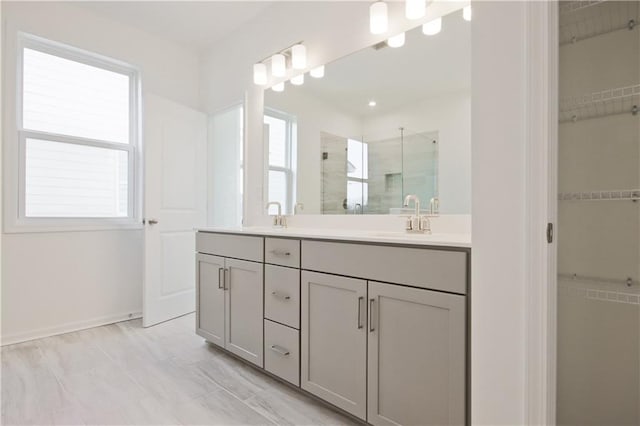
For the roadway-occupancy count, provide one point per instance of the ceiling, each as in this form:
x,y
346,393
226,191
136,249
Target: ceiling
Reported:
x,y
426,66
196,24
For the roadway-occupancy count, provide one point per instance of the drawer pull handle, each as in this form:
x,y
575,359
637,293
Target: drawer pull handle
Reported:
x,y
279,350
360,300
221,278
371,327
280,253
280,296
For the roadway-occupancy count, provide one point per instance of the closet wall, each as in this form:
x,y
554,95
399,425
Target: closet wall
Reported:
x,y
599,214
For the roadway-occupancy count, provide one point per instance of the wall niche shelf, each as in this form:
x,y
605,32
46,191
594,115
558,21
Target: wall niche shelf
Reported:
x,y
620,100
614,195
586,19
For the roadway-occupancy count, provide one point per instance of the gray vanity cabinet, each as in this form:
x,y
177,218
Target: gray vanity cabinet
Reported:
x,y
334,340
230,294
416,356
210,318
244,310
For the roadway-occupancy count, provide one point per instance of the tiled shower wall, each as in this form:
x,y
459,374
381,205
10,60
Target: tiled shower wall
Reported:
x,y
407,164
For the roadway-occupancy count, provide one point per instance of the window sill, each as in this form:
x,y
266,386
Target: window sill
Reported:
x,y
26,226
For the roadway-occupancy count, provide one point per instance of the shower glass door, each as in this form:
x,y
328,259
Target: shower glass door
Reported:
x,y
598,364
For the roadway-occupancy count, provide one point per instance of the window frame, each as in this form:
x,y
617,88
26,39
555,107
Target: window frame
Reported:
x,y
363,181
17,219
290,155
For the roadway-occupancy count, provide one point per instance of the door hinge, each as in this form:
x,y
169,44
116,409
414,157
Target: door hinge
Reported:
x,y
549,232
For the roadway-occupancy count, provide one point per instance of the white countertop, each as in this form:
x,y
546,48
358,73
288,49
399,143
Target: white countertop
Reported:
x,y
387,237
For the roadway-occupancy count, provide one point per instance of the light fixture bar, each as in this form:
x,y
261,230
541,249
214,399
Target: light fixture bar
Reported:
x,y
299,57
378,18
260,74
415,9
396,40
317,72
298,80
432,27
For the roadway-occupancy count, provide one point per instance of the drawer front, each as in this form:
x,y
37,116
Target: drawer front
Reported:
x,y
425,268
282,295
281,251
282,351
227,245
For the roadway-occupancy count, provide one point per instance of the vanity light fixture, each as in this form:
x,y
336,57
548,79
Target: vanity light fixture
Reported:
x,y
396,40
415,9
298,80
466,13
432,27
372,103
298,57
278,87
378,18
278,65
260,74
317,72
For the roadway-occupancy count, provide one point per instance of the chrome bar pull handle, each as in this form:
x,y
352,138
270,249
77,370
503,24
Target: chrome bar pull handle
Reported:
x,y
371,327
280,296
221,278
280,253
360,300
279,350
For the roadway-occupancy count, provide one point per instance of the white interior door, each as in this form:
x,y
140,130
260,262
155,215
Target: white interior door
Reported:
x,y
175,203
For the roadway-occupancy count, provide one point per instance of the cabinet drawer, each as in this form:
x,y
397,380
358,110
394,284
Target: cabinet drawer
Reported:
x,y
282,351
227,245
281,251
282,295
418,267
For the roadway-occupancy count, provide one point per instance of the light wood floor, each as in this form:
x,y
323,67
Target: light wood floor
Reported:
x,y
125,374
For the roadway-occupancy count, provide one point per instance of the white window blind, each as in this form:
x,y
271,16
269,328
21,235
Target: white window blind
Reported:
x,y
72,180
70,98
78,134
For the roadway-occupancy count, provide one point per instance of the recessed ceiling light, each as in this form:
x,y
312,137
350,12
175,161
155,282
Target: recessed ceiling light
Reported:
x,y
372,103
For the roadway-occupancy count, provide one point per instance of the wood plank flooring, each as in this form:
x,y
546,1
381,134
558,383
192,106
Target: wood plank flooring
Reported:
x,y
123,374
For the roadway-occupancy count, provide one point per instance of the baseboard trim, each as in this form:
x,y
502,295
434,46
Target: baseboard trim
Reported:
x,y
69,327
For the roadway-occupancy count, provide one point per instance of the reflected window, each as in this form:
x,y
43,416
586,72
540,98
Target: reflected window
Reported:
x,y
357,175
280,138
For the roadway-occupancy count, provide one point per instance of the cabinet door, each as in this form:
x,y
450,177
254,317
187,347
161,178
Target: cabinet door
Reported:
x,y
210,295
334,340
416,357
244,308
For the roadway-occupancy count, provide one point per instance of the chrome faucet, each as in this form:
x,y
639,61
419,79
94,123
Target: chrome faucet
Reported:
x,y
296,207
279,221
416,222
355,208
434,206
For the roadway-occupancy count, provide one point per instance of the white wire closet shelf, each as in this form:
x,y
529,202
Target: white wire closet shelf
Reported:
x,y
600,289
612,195
619,100
581,20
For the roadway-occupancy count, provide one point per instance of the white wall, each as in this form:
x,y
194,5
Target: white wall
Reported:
x,y
498,132
56,282
450,115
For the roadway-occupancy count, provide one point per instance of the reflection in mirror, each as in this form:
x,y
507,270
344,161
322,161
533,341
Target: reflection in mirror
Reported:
x,y
381,124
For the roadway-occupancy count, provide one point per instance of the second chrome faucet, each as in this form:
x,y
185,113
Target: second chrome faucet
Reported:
x,y
416,222
279,220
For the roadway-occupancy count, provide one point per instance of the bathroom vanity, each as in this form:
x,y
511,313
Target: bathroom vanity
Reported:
x,y
375,325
